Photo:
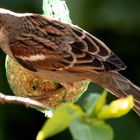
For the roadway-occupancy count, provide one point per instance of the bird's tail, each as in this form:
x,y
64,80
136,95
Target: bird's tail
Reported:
x,y
119,86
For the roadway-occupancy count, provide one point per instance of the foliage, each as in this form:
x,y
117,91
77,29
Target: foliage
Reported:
x,y
88,124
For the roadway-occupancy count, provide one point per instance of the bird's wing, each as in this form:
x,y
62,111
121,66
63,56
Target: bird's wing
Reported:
x,y
53,45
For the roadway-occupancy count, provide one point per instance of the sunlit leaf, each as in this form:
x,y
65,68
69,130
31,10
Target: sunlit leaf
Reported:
x,y
101,102
61,119
94,103
117,108
90,103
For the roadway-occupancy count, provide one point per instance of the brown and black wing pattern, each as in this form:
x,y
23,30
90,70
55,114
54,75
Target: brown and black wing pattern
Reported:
x,y
59,46
97,55
41,39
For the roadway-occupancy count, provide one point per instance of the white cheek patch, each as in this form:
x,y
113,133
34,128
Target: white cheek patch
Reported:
x,y
32,57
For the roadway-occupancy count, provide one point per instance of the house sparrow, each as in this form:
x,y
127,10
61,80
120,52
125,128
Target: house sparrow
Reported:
x,y
63,53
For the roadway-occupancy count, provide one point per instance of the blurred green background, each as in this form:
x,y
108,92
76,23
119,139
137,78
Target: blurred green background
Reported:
x,y
117,23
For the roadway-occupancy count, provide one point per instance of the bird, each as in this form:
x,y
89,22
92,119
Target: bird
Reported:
x,y
63,53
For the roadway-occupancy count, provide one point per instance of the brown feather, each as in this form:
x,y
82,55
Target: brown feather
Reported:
x,y
63,53
65,46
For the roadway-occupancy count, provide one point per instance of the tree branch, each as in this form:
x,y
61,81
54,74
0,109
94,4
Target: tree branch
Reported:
x,y
7,99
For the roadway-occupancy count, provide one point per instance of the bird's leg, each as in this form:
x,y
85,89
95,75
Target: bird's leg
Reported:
x,y
48,94
64,91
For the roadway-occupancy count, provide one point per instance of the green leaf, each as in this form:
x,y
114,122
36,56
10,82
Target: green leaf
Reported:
x,y
94,103
117,108
90,103
101,102
61,119
97,130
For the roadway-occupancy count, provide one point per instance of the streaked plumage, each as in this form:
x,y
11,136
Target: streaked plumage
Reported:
x,y
67,46
62,52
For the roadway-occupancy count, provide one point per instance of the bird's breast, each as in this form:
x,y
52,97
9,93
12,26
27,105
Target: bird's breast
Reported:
x,y
62,76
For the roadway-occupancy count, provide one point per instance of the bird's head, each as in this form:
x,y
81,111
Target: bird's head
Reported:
x,y
8,21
